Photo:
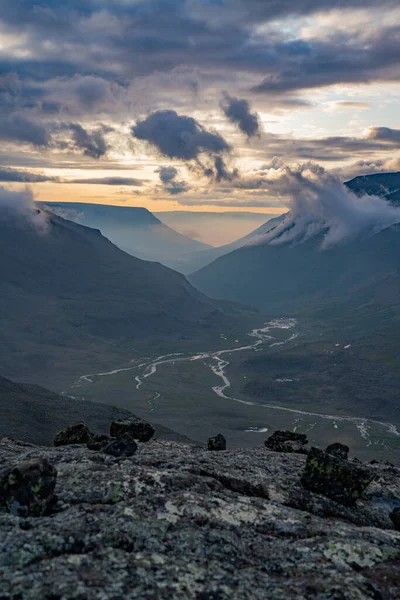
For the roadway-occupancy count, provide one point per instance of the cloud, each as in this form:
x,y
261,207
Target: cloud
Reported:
x,y
179,136
238,112
385,134
17,175
19,208
92,143
320,203
184,138
170,182
18,128
128,181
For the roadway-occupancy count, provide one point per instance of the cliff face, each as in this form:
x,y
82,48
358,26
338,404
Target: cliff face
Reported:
x,y
177,521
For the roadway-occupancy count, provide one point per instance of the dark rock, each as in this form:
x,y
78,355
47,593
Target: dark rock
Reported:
x,y
287,441
395,516
142,431
217,443
124,445
73,434
98,442
28,488
334,477
339,450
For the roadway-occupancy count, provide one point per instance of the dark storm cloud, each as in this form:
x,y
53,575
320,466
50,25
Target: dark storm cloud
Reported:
x,y
341,58
238,112
20,176
178,136
93,143
20,129
169,179
122,40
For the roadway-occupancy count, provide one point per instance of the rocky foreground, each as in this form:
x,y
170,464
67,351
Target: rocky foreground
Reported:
x,y
176,521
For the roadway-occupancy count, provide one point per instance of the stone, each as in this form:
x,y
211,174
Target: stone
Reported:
x,y
124,445
98,442
217,443
27,490
395,516
140,430
334,477
73,434
339,450
287,441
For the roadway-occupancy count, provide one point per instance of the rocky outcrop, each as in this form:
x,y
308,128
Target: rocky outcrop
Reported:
x,y
334,477
217,443
140,430
339,450
180,522
73,434
287,441
124,445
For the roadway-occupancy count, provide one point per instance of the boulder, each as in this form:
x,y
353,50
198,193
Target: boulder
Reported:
x,y
334,477
124,445
98,442
339,450
73,434
217,443
27,490
287,441
395,516
140,430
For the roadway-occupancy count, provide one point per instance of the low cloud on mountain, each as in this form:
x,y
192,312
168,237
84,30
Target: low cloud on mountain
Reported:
x,y
19,207
320,203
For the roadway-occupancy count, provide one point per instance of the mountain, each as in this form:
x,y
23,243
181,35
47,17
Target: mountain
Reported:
x,y
283,277
70,300
287,278
33,414
379,184
133,229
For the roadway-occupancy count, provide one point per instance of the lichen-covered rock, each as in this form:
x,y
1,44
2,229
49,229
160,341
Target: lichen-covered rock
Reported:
x,y
140,430
395,516
217,443
98,441
339,450
27,489
287,441
334,477
184,523
78,433
124,445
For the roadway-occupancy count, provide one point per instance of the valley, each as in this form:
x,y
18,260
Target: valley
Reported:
x,y
199,394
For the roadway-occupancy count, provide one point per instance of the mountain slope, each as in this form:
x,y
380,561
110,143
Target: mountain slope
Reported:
x,y
133,229
34,414
288,278
380,184
70,299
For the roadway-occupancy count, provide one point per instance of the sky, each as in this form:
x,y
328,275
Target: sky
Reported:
x,y
194,105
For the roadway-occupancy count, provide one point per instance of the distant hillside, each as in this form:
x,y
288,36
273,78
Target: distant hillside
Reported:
x,y
133,229
215,228
196,260
34,414
70,300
